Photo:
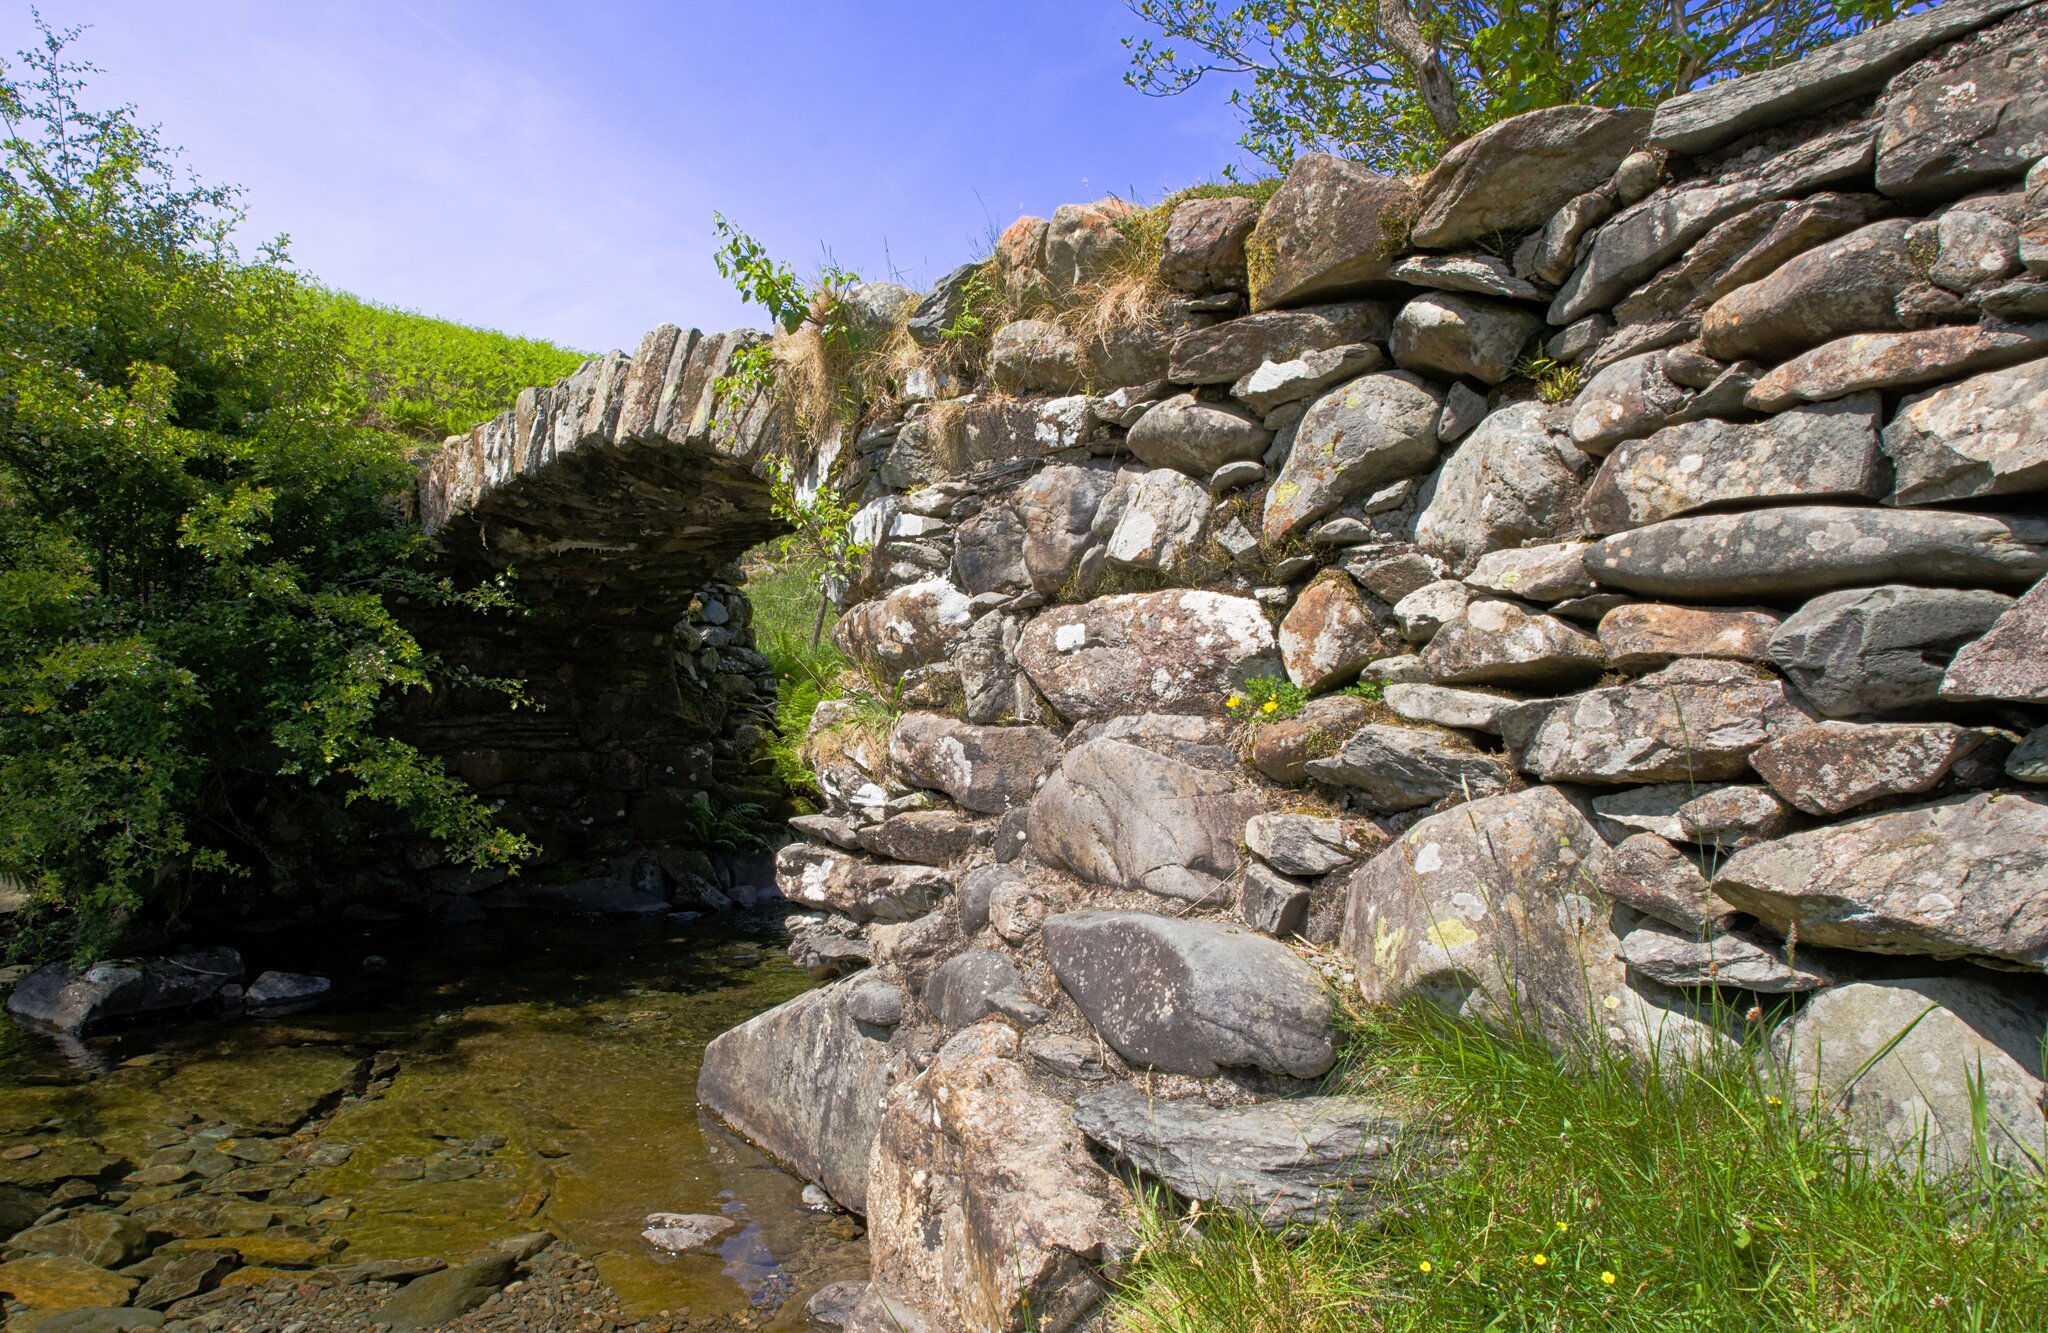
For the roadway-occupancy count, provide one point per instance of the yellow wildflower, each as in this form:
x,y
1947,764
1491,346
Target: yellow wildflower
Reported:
x,y
1774,1100
1270,706
1539,1259
1564,1226
1232,702
1426,1266
1607,1278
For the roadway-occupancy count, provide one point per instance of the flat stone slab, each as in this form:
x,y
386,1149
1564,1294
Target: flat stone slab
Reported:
x,y
1289,1163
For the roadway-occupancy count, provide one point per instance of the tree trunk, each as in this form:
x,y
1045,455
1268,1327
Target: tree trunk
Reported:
x,y
1425,62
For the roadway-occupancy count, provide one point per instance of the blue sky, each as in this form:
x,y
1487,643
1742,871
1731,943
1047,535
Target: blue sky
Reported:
x,y
551,168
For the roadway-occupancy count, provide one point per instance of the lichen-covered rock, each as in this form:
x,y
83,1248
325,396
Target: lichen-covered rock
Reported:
x,y
1548,573
1196,437
1513,175
1722,958
1902,1062
1226,352
1500,643
1692,721
1743,249
1289,1163
1982,121
1626,400
1647,873
1850,285
1082,240
1123,815
1452,335
2007,663
1360,435
911,627
1333,227
988,553
1192,997
1516,478
1981,437
1644,636
1904,360
1057,509
1480,275
1809,549
940,308
864,890
1820,452
1329,633
1489,910
1423,613
1276,383
1300,844
1282,750
1880,651
1402,768
1468,710
962,989
1036,355
1711,815
1162,517
984,769
1957,878
1271,903
804,1082
983,1203
1203,250
1830,767
1144,652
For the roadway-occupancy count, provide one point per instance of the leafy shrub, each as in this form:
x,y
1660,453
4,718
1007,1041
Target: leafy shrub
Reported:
x,y
195,531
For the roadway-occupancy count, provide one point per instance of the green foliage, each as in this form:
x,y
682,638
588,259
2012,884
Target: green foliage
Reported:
x,y
734,828
980,298
1393,83
808,669
1697,1199
1372,691
1268,699
428,378
790,302
195,530
820,521
1555,381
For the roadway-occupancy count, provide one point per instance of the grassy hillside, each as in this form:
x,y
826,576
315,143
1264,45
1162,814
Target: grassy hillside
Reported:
x,y
429,378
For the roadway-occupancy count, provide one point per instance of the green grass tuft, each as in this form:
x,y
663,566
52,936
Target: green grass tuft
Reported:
x,y
785,596
1693,1201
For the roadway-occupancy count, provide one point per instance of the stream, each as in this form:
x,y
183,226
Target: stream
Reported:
x,y
531,1074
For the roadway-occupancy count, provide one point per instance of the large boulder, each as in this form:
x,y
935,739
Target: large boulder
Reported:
x,y
1333,227
1036,355
1981,121
1694,721
1203,250
1908,1065
2007,663
1329,633
1224,353
1744,248
983,1203
1123,815
1192,997
913,626
1449,334
1850,285
73,1001
804,1082
1819,452
1399,768
1057,509
1376,429
1145,652
1627,400
1879,651
1289,1163
1196,437
988,553
1489,911
1830,767
1809,549
1517,478
1501,643
1982,437
1513,175
820,877
1083,240
1957,878
985,769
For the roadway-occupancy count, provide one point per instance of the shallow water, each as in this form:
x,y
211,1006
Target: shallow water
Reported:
x,y
578,1044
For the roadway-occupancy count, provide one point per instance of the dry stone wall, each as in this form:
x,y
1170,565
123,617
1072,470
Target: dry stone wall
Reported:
x,y
1706,655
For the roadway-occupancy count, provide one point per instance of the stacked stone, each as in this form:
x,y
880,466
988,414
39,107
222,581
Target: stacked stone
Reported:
x,y
1712,690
